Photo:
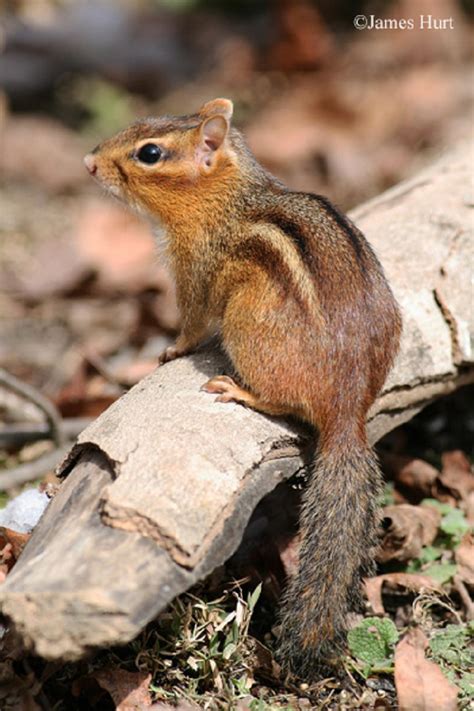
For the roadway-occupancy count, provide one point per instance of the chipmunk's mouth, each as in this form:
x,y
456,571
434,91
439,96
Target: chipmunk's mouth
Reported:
x,y
114,190
111,187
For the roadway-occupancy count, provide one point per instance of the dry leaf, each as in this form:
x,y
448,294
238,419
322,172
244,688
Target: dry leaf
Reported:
x,y
415,476
129,690
464,556
469,506
456,481
456,459
410,528
420,683
411,581
263,663
84,395
17,540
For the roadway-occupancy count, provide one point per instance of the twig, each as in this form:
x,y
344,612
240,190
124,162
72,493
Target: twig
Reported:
x,y
20,434
46,406
32,470
465,597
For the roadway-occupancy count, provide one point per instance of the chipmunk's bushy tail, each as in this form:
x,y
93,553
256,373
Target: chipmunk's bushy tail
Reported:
x,y
338,527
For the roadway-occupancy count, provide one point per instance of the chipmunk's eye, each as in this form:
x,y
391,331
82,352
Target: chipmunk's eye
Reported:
x,y
149,153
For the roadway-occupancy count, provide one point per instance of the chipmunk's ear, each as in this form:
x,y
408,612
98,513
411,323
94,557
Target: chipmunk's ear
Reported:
x,y
217,107
213,130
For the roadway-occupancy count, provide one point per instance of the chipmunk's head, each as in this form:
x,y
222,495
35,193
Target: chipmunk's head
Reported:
x,y
161,165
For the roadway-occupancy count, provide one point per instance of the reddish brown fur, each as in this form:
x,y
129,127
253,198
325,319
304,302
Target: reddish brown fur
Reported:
x,y
307,318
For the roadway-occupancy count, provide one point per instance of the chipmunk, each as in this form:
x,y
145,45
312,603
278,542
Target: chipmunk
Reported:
x,y
307,319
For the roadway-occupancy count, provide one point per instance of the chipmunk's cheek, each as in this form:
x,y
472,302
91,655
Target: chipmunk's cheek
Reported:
x,y
114,190
109,181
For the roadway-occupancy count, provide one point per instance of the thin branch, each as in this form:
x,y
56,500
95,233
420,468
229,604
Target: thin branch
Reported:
x,y
465,597
32,470
33,395
24,433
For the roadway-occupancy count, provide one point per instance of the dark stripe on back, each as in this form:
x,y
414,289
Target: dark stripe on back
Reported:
x,y
258,251
293,230
344,223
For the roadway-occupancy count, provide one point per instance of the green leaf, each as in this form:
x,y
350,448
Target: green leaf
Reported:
x,y
253,598
243,684
234,634
414,566
466,682
214,645
366,670
454,523
452,645
442,508
229,650
257,705
429,554
372,640
441,572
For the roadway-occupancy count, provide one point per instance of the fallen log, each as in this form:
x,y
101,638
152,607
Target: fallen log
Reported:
x,y
158,490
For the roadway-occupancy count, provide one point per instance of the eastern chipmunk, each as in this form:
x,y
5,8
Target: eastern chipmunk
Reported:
x,y
306,317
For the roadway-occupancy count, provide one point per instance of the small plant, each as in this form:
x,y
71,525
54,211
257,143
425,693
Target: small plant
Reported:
x,y
200,648
453,524
453,649
372,643
436,560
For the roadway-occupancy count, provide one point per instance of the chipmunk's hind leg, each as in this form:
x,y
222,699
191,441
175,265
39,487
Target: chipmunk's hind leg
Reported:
x,y
230,391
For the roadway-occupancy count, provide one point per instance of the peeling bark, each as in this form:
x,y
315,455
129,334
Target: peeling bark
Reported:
x,y
159,489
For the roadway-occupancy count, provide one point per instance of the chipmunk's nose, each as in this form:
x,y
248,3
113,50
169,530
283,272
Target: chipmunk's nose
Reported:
x,y
90,163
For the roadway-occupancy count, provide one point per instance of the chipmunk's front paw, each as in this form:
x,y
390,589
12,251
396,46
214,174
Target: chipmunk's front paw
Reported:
x,y
169,354
227,388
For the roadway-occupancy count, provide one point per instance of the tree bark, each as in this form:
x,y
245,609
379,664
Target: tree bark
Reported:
x,y
159,489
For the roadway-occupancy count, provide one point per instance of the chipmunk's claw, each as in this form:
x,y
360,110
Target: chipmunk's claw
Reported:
x,y
227,389
169,354
219,384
